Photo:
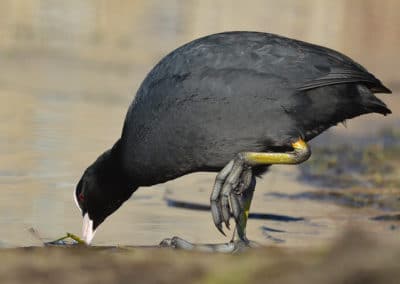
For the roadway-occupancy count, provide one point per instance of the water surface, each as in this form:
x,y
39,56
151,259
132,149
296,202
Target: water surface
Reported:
x,y
67,79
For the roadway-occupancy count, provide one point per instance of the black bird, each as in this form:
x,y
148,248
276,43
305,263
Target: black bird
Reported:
x,y
234,102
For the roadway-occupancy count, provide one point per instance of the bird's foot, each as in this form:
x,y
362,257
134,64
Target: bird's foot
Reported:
x,y
231,247
232,194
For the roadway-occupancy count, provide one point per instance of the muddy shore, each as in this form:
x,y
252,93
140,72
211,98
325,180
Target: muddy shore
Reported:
x,y
354,258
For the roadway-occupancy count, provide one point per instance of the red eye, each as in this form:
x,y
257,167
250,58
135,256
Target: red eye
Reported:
x,y
81,197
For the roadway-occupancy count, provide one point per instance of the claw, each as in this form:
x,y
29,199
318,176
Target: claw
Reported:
x,y
219,227
227,224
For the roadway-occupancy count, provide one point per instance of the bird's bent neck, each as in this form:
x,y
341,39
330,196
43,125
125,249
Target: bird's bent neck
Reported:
x,y
109,168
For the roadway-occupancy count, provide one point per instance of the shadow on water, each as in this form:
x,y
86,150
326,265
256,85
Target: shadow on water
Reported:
x,y
203,207
350,198
387,217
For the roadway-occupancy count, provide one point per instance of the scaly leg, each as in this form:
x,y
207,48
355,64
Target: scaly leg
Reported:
x,y
233,191
241,202
235,177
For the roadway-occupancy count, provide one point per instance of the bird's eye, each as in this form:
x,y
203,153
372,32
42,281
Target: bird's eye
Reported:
x,y
81,197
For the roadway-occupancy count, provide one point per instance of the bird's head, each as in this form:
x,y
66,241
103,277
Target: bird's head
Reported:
x,y
99,193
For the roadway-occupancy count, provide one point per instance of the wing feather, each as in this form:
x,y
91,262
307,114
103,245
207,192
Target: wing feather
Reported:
x,y
346,76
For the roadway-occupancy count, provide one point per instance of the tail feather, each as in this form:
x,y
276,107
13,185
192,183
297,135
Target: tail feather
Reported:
x,y
371,103
381,89
377,106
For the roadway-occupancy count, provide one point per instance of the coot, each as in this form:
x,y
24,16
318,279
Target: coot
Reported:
x,y
233,103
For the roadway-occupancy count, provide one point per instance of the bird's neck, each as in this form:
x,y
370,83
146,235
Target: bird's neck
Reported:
x,y
112,169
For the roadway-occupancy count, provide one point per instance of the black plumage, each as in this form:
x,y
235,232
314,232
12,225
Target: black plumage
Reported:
x,y
234,92
221,95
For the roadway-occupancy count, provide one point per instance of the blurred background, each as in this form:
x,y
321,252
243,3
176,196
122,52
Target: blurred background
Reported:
x,y
69,69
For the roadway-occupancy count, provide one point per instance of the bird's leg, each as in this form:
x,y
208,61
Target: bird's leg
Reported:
x,y
241,202
232,194
235,177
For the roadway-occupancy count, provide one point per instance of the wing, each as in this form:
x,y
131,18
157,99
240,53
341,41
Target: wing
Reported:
x,y
341,76
331,67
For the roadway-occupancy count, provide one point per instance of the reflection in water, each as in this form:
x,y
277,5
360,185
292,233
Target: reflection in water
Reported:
x,y
70,69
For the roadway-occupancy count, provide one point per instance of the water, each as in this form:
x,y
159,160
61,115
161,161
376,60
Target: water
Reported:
x,y
68,74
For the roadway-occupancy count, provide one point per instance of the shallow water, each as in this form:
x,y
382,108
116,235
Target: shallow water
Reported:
x,y
63,101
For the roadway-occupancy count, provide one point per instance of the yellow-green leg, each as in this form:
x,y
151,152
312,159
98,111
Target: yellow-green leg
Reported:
x,y
233,192
242,212
235,178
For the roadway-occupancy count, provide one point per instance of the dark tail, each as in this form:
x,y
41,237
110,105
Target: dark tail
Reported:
x,y
378,87
370,102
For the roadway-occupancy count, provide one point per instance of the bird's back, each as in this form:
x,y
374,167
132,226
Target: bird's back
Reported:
x,y
238,91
